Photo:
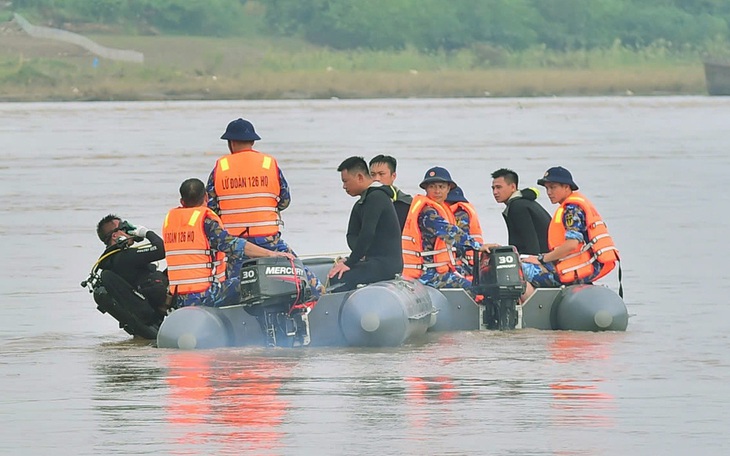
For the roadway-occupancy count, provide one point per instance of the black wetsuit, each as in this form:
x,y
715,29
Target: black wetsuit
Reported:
x,y
527,223
374,236
402,204
133,267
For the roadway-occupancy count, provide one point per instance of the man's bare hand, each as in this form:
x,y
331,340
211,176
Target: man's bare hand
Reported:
x,y
338,269
488,247
530,259
283,254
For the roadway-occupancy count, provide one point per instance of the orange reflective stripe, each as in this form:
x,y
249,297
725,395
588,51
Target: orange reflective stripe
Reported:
x,y
415,259
247,185
190,266
190,252
600,246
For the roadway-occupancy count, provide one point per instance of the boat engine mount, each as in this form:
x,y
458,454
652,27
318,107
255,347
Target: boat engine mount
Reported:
x,y
501,282
275,291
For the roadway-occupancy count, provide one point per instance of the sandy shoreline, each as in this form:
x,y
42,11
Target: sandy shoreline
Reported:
x,y
202,68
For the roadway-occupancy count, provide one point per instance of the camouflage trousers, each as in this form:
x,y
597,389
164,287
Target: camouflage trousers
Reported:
x,y
218,295
447,280
545,275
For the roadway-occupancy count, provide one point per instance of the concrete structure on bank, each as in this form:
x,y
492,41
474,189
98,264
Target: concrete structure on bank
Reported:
x,y
79,40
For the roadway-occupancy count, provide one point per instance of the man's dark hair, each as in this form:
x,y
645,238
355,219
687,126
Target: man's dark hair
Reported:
x,y
99,227
192,192
387,159
354,165
509,176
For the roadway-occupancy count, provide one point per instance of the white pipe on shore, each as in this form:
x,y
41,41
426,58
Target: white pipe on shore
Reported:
x,y
79,40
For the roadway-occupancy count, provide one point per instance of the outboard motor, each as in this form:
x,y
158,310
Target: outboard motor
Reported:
x,y
276,292
502,282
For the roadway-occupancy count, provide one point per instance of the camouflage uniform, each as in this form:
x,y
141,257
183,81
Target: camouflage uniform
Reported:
x,y
273,242
228,292
433,225
545,275
462,221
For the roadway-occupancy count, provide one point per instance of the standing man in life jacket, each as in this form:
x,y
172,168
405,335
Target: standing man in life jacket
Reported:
x,y
581,250
197,248
248,191
527,221
382,169
431,233
126,266
373,233
466,218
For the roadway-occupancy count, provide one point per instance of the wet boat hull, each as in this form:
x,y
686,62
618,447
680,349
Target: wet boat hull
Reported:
x,y
575,308
388,313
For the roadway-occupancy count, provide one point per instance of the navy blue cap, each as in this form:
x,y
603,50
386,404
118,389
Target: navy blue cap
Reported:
x,y
240,130
559,175
456,195
436,174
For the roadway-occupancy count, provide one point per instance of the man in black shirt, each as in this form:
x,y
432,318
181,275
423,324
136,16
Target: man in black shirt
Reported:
x,y
124,266
382,169
527,221
373,233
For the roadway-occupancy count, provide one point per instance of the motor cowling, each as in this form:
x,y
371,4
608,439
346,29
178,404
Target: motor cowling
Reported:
x,y
500,274
274,282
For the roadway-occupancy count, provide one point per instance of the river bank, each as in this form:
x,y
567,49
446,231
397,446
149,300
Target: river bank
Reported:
x,y
206,68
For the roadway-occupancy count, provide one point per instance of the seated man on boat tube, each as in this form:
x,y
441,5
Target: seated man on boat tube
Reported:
x,y
527,221
373,233
581,250
431,233
382,169
197,248
128,266
467,219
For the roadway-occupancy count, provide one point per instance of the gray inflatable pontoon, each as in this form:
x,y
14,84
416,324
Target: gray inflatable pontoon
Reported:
x,y
388,313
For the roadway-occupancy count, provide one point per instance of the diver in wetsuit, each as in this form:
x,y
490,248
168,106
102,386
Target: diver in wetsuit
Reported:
x,y
127,269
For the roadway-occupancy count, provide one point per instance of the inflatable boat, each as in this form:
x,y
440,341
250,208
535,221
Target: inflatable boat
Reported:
x,y
274,310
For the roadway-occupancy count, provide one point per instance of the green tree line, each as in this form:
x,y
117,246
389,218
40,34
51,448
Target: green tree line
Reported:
x,y
511,24
425,25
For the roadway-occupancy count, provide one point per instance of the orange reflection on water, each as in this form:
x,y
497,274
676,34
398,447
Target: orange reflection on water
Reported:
x,y
433,388
190,391
220,402
422,389
580,401
424,392
568,347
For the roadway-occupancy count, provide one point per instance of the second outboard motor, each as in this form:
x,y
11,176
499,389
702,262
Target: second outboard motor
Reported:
x,y
502,282
270,289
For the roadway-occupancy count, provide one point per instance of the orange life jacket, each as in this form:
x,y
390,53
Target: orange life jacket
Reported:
x,y
191,264
247,185
415,260
599,247
475,229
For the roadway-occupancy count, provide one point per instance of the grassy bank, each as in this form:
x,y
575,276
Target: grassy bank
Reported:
x,y
228,68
